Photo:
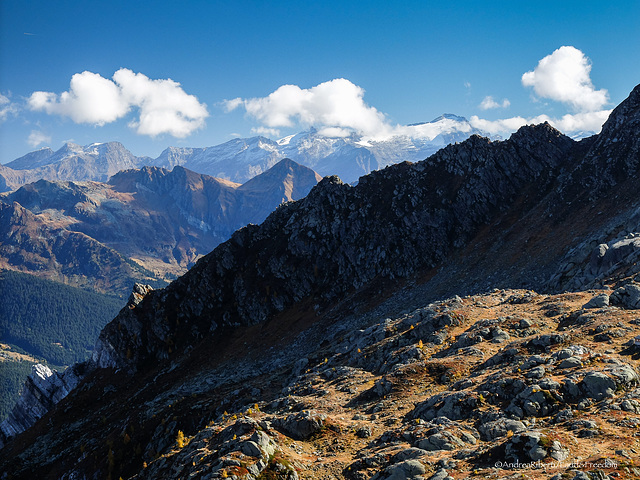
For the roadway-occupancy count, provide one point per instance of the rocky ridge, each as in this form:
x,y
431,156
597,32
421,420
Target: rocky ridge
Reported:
x,y
286,327
394,223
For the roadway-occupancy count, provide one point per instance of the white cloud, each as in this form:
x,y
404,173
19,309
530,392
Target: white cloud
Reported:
x,y
586,121
90,99
569,123
163,106
337,107
38,138
231,105
6,108
431,130
268,132
564,76
498,127
335,132
488,103
334,104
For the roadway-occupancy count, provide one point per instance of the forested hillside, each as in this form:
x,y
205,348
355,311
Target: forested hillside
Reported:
x,y
12,376
50,320
55,323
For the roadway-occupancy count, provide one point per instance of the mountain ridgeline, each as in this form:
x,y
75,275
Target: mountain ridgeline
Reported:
x,y
342,289
393,224
241,159
143,225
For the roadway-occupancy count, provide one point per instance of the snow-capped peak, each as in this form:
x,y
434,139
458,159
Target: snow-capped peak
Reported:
x,y
285,141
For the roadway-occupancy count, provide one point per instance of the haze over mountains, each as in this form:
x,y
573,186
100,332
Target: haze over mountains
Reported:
x,y
319,344
240,159
141,225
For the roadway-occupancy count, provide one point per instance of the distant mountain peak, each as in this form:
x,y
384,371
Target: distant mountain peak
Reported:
x,y
450,116
444,116
240,159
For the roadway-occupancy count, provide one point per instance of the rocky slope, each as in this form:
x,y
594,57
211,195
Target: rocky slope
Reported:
x,y
313,346
33,244
498,385
43,388
161,220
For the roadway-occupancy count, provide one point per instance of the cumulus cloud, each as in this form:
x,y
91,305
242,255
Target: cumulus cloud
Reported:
x,y
6,108
564,76
37,138
162,105
336,104
488,103
337,107
266,131
569,123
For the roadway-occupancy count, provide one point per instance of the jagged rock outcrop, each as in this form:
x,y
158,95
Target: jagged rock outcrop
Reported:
x,y
44,388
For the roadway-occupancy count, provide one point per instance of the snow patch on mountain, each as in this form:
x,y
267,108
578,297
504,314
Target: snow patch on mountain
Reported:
x,y
346,154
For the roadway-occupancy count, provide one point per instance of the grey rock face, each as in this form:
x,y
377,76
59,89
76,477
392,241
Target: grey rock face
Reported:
x,y
452,405
627,296
440,441
409,454
533,446
630,405
43,389
406,470
441,474
571,362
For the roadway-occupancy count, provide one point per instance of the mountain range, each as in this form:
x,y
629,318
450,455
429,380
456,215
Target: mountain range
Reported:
x,y
471,315
241,159
142,225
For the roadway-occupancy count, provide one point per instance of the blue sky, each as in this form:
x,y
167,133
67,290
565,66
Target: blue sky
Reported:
x,y
110,70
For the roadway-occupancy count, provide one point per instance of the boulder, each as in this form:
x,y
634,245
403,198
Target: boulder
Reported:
x,y
533,446
406,470
452,405
441,474
599,301
302,425
627,296
440,441
570,362
490,431
597,385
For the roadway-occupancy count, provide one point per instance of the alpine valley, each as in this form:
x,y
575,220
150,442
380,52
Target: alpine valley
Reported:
x,y
471,315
